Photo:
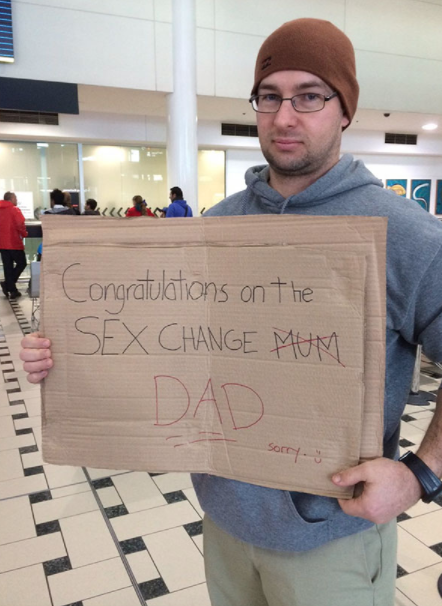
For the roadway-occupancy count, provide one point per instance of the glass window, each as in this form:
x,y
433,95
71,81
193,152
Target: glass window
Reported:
x,y
211,178
113,175
32,170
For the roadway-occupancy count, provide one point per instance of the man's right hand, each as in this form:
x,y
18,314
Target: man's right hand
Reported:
x,y
36,355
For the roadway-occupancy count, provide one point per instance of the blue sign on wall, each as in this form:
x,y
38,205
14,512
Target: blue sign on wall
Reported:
x,y
6,43
439,198
420,191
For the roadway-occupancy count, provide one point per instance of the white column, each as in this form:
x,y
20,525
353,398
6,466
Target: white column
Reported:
x,y
182,142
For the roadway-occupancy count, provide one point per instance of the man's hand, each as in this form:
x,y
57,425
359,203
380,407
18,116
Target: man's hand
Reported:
x,y
389,488
36,356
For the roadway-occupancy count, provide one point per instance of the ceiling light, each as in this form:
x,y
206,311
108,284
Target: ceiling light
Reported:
x,y
430,126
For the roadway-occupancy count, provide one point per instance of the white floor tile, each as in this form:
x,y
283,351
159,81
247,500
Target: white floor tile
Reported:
x,y
426,528
88,581
422,423
422,508
193,596
7,429
63,475
177,558
138,491
421,587
8,411
414,555
27,422
154,520
65,491
8,386
10,465
402,600
142,566
31,551
96,474
25,587
32,459
191,496
33,407
198,540
17,442
122,597
87,539
108,496
22,486
171,482
20,522
64,507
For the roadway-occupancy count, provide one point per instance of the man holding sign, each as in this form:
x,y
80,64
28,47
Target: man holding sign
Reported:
x,y
271,547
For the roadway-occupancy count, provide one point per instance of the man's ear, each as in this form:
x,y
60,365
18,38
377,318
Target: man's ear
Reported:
x,y
344,122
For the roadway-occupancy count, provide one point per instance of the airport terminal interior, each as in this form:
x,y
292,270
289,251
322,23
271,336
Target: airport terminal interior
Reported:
x,y
93,108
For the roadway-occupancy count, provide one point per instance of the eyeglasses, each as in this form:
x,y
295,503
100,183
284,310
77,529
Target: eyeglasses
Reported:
x,y
305,103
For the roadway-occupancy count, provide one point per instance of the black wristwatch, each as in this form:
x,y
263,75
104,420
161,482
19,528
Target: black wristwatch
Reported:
x,y
428,480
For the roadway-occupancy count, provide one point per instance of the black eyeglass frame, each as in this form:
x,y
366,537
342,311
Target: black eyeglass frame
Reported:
x,y
326,98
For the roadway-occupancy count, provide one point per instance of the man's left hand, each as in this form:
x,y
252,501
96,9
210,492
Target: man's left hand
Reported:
x,y
389,488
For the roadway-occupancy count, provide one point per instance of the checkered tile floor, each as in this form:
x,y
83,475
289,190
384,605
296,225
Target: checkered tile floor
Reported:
x,y
93,537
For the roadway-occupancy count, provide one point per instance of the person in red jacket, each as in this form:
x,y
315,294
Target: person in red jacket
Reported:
x,y
139,208
12,232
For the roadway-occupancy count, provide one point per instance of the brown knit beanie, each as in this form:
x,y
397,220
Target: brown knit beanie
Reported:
x,y
315,46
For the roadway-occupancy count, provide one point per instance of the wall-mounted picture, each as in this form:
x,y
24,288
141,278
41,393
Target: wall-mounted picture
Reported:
x,y
399,186
420,191
439,197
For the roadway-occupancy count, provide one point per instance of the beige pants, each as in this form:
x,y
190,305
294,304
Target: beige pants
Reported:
x,y
359,570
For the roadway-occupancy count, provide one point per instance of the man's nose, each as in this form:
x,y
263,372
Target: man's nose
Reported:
x,y
286,114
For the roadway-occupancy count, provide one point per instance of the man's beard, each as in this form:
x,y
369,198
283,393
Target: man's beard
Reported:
x,y
292,167
309,162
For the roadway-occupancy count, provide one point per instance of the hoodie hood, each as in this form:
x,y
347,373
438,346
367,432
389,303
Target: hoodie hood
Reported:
x,y
5,204
345,176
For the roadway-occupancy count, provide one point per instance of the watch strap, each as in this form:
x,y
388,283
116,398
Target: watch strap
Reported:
x,y
429,481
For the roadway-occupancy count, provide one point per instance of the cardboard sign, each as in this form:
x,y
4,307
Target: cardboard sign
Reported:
x,y
247,347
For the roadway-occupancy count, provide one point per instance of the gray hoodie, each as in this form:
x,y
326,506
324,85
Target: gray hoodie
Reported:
x,y
293,521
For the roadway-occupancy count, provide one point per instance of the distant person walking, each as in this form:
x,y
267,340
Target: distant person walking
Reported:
x,y
178,206
12,232
139,208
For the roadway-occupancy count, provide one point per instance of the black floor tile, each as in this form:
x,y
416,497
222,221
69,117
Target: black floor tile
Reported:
x,y
133,545
437,548
400,572
14,390
174,497
22,432
407,418
32,471
152,475
48,528
28,449
102,483
405,443
116,511
38,497
22,415
402,517
153,589
57,565
194,528
16,402
74,604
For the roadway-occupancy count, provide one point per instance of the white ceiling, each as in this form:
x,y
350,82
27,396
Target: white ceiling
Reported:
x,y
222,109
